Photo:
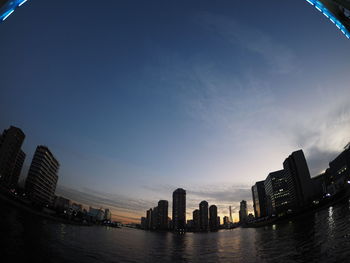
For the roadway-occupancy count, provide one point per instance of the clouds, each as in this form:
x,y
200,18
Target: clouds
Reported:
x,y
228,193
263,114
250,103
124,208
264,111
222,195
323,137
230,97
279,58
208,102
128,209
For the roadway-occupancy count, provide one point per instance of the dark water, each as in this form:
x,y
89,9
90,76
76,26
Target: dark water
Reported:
x,y
318,237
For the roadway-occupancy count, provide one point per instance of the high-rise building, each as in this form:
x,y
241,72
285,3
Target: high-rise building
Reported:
x,y
337,177
163,214
179,210
250,218
299,182
226,221
77,207
243,212
11,156
155,218
277,194
96,214
42,176
196,220
340,166
259,199
17,169
108,215
62,204
213,218
203,216
230,210
170,223
149,219
143,222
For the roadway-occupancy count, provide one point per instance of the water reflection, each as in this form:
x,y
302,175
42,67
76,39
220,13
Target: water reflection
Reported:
x,y
179,243
315,237
62,231
330,221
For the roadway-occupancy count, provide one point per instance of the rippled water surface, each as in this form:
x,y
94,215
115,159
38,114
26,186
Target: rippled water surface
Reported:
x,y
323,236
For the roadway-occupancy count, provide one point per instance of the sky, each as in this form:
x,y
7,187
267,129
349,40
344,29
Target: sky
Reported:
x,y
138,98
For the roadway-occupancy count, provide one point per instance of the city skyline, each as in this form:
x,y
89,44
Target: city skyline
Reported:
x,y
152,109
283,192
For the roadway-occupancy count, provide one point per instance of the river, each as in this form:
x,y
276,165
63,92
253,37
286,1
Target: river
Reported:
x,y
323,236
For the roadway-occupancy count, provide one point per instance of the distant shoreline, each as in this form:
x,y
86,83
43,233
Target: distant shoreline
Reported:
x,y
27,208
4,197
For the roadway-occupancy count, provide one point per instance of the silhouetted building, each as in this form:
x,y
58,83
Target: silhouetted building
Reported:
x,y
163,214
179,210
319,186
107,215
77,207
96,214
170,223
250,218
149,219
143,223
62,204
218,221
42,176
259,199
340,166
213,218
203,216
17,169
277,194
230,211
189,224
11,156
196,220
337,177
155,218
243,212
299,181
226,221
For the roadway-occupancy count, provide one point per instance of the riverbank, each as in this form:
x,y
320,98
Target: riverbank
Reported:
x,y
325,203
6,198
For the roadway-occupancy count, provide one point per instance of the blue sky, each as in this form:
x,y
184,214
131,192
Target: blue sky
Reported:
x,y
137,98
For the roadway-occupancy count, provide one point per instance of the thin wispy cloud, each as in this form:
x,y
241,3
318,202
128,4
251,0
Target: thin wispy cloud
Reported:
x,y
245,112
325,138
279,57
211,101
120,205
125,208
222,195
